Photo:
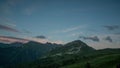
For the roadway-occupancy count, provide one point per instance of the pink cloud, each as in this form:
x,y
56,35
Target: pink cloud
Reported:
x,y
6,39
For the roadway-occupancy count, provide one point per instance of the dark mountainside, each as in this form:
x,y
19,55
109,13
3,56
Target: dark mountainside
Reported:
x,y
75,54
73,47
18,53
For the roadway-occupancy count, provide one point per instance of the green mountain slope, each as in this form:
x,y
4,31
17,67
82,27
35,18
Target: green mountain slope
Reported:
x,y
76,54
105,61
73,47
73,61
15,53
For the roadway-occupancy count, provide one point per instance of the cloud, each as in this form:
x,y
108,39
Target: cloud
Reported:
x,y
8,39
26,31
108,38
76,34
112,27
94,38
117,33
39,40
71,29
41,37
11,24
7,28
57,42
7,22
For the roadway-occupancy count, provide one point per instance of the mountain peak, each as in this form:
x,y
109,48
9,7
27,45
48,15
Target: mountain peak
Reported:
x,y
73,47
76,43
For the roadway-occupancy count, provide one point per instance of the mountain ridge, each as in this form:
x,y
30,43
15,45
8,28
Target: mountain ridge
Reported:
x,y
41,55
13,54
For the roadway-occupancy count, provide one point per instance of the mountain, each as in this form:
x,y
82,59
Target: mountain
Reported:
x,y
15,44
73,47
76,54
15,53
2,45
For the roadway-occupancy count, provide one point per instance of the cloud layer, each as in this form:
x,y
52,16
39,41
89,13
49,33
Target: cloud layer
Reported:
x,y
7,28
108,38
112,27
41,37
94,38
75,28
7,39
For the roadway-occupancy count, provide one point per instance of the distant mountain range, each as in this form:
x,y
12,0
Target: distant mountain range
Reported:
x,y
48,55
76,54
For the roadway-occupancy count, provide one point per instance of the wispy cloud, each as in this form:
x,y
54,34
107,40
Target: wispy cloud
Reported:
x,y
76,34
112,27
9,25
58,42
118,33
26,31
71,29
7,21
8,39
39,40
7,28
41,37
108,38
94,38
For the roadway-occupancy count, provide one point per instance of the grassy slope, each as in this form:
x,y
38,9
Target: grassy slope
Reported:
x,y
96,60
107,58
105,61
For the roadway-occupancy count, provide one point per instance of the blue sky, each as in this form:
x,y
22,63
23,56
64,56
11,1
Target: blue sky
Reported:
x,y
63,20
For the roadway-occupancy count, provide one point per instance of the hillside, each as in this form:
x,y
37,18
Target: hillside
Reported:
x,y
104,61
16,53
81,56
73,47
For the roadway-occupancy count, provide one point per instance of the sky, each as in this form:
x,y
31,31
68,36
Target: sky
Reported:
x,y
95,22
